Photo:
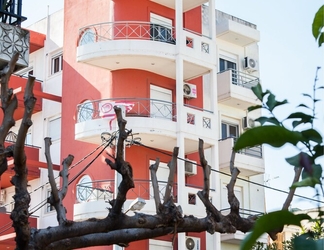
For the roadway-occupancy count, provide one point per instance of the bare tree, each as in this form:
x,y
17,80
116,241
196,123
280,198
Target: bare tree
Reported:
x,y
117,227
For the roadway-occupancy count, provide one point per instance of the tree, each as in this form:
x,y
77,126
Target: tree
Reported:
x,y
117,227
296,129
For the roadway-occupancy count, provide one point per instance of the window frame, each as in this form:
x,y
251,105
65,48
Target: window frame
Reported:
x,y
49,208
56,63
228,134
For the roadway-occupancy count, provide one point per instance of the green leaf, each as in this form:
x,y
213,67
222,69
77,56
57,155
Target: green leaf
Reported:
x,y
320,87
307,182
273,135
321,40
312,135
281,103
271,103
303,105
295,160
318,24
319,151
308,95
257,90
315,172
303,242
264,119
254,107
304,118
300,115
296,123
270,222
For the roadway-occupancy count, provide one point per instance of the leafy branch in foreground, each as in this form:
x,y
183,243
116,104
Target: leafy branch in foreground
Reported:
x,y
297,129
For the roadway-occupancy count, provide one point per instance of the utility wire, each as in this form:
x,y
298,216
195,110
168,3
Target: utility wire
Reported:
x,y
223,173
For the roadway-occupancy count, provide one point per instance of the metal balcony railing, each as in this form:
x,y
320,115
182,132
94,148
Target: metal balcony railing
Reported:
x,y
134,107
104,190
126,30
244,213
253,151
242,79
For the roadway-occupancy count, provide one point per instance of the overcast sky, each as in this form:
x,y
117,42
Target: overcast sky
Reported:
x,y
289,57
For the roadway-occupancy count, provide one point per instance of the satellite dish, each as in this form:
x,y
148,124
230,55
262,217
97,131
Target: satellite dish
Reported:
x,y
190,243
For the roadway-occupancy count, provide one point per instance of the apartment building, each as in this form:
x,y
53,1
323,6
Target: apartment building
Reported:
x,y
180,71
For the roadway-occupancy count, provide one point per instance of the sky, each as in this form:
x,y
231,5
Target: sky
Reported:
x,y
288,60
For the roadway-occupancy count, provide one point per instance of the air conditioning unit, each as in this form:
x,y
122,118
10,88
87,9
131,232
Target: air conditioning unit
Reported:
x,y
192,243
189,90
2,196
190,167
250,64
247,122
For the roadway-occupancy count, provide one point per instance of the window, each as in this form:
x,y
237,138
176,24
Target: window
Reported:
x,y
85,111
161,28
84,188
57,64
88,36
225,65
229,130
49,207
28,140
54,130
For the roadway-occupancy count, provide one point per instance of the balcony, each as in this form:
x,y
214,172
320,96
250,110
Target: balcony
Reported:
x,y
93,198
234,89
153,121
33,162
187,4
14,39
144,45
249,161
235,30
7,234
237,237
18,84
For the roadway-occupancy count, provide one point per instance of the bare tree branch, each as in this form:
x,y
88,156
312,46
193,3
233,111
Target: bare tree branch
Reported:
x,y
121,166
57,196
20,213
155,184
9,104
172,166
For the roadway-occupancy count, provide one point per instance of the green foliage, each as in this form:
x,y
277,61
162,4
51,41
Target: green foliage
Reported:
x,y
297,130
270,222
318,25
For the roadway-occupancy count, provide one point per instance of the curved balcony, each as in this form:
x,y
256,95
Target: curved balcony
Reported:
x,y
146,46
234,89
187,4
153,121
93,198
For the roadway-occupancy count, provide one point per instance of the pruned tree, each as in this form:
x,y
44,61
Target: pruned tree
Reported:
x,y
117,227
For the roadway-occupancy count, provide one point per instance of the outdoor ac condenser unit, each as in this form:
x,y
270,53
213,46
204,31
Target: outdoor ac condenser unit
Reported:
x,y
190,167
192,243
189,90
250,64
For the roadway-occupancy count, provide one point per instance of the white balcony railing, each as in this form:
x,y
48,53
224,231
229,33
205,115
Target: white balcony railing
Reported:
x,y
141,31
141,107
241,79
126,30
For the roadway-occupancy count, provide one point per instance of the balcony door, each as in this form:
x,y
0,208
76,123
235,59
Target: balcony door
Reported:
x,y
161,102
162,176
226,65
161,28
